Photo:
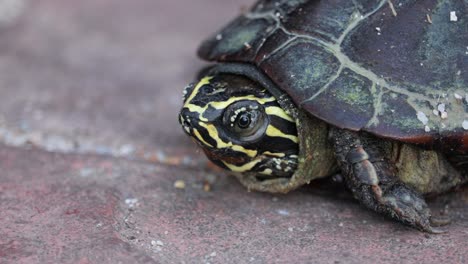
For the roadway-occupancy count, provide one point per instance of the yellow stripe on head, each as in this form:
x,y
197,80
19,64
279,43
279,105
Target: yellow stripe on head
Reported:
x,y
195,108
278,111
246,167
274,132
200,138
213,132
205,80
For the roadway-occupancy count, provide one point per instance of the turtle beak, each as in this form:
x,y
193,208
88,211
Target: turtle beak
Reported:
x,y
186,121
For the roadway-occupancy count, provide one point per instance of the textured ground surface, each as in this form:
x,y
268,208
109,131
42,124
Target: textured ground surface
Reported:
x,y
90,150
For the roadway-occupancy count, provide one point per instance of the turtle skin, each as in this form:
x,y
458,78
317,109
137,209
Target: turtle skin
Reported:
x,y
370,69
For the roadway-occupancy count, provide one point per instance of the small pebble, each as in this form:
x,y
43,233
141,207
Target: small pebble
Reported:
x,y
157,243
131,202
179,184
206,187
282,212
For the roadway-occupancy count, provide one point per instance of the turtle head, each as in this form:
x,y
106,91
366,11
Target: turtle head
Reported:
x,y
240,126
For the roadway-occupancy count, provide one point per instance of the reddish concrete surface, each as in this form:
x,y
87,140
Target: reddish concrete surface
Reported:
x,y
90,150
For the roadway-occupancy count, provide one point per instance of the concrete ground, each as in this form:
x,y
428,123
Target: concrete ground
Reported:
x,y
93,161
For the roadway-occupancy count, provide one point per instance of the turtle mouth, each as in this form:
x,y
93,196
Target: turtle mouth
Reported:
x,y
192,126
185,122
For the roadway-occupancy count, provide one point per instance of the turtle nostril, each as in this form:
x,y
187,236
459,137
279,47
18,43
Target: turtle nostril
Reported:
x,y
186,123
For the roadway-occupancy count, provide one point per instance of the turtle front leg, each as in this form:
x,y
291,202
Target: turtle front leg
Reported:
x,y
373,180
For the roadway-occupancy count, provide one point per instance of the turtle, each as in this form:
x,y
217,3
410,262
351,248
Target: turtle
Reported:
x,y
373,90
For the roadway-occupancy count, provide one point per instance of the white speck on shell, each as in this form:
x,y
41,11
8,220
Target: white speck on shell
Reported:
x,y
453,16
441,108
422,117
465,124
219,37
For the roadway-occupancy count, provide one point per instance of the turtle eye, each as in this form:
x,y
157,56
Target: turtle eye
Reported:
x,y
246,120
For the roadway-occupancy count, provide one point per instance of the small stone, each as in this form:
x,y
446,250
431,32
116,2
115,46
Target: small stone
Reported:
x,y
179,184
131,202
126,150
206,186
219,37
282,212
435,112
340,224
213,254
457,96
157,243
444,115
427,129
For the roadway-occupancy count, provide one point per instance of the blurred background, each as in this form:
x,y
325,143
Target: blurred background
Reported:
x,y
104,76
94,167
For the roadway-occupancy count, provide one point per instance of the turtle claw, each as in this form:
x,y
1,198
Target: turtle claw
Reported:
x,y
408,206
434,230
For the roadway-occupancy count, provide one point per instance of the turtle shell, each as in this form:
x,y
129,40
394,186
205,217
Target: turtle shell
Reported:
x,y
397,69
